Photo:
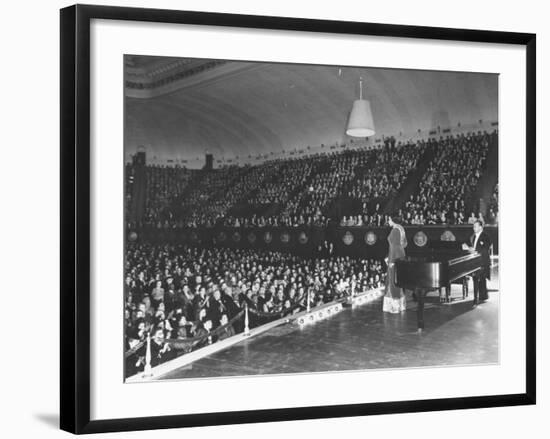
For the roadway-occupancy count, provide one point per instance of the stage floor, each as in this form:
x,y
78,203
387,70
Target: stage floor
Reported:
x,y
364,337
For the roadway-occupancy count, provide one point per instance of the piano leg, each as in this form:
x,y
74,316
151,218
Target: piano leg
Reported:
x,y
420,309
464,288
476,289
448,293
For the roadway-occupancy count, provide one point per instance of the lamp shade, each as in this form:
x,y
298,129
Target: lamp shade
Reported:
x,y
360,123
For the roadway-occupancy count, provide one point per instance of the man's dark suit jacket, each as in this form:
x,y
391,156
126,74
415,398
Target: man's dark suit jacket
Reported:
x,y
483,246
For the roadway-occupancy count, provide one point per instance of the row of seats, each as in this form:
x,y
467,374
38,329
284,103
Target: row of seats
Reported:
x,y
351,187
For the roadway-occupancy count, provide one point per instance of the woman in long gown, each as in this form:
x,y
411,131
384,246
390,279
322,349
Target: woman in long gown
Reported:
x,y
394,300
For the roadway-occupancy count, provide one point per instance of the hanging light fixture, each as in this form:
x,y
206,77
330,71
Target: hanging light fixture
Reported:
x,y
360,123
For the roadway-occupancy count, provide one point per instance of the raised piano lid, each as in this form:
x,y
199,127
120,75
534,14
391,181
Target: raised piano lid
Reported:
x,y
466,257
432,269
452,257
439,251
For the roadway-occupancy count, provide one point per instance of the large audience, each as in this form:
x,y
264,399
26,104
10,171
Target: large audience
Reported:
x,y
163,185
380,180
182,294
449,184
186,297
351,188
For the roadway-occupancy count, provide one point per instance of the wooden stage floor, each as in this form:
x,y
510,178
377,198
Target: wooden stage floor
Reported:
x,y
364,337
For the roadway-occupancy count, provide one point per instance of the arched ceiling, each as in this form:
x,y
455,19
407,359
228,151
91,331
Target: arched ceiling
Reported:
x,y
181,108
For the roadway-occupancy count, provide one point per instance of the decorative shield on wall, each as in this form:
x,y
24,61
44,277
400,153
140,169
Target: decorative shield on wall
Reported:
x,y
285,237
420,239
268,237
370,237
302,238
132,236
347,238
251,237
222,236
447,235
236,236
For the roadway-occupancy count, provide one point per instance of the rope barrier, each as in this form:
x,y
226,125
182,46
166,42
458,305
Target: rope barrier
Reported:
x,y
134,349
184,343
189,342
275,313
177,343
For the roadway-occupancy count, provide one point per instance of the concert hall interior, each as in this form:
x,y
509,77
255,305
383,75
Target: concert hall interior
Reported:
x,y
293,218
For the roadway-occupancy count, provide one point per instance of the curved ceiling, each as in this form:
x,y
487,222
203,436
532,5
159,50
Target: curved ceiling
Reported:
x,y
238,108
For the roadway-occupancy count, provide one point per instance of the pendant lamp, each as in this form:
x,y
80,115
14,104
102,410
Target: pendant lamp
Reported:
x,y
360,123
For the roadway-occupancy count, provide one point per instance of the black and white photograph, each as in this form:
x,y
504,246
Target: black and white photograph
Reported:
x,y
285,218
275,219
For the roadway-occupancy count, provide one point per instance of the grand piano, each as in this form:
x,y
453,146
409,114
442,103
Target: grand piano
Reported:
x,y
434,268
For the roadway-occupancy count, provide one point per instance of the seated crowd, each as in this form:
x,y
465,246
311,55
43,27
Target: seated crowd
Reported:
x,y
492,215
449,183
381,181
184,293
308,190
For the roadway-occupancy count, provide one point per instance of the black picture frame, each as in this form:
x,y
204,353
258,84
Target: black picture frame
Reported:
x,y
75,217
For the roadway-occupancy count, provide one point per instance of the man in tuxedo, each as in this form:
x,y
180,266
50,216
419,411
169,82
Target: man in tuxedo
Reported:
x,y
480,242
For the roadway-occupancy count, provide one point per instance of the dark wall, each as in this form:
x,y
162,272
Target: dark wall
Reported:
x,y
366,242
